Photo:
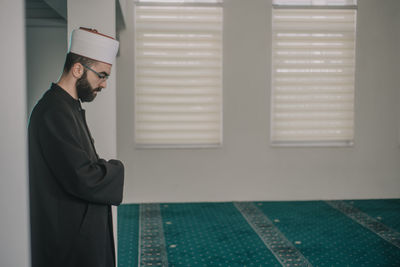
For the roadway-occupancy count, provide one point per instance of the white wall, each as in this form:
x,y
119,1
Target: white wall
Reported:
x,y
247,167
14,226
46,50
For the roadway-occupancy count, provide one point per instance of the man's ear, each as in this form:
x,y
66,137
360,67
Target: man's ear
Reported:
x,y
77,70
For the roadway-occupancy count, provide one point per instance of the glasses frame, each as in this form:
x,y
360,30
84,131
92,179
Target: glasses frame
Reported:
x,y
100,75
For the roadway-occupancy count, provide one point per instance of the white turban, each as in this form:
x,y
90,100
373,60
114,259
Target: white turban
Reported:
x,y
91,44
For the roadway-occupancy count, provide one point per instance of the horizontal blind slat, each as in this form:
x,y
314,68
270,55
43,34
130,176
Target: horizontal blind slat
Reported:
x,y
178,117
316,2
310,115
151,108
177,54
177,91
179,1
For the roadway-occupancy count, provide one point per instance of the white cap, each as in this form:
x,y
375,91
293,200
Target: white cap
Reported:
x,y
91,44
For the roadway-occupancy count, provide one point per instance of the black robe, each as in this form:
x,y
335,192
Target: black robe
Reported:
x,y
71,188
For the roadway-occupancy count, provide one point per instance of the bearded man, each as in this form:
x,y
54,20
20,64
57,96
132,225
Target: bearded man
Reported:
x,y
71,187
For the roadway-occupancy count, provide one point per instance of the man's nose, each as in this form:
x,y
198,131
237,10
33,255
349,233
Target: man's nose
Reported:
x,y
103,84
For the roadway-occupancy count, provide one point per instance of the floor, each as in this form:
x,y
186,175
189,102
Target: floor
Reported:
x,y
290,233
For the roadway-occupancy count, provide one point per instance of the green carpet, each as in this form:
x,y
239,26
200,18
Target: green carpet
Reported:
x,y
301,233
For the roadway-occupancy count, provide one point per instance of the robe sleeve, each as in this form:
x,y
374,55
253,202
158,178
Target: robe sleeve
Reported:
x,y
98,181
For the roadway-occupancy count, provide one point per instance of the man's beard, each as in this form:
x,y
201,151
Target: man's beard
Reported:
x,y
86,93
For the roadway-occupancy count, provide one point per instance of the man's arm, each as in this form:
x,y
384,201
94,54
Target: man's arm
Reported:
x,y
99,182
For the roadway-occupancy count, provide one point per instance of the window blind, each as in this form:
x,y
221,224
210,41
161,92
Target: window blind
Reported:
x,y
315,2
178,75
313,66
180,1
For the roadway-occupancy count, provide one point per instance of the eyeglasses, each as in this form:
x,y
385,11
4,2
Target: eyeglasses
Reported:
x,y
101,76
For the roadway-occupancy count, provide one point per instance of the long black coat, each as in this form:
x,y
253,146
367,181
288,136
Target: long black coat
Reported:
x,y
71,188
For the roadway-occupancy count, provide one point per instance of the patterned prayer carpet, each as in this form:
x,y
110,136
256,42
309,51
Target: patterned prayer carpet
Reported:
x,y
290,233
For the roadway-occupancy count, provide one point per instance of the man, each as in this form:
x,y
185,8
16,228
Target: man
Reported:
x,y
71,188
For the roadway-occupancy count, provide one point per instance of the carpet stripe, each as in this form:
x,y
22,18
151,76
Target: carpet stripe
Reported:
x,y
367,221
284,251
152,249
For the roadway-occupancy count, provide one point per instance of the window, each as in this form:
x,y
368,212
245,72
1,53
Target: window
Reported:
x,y
313,66
178,73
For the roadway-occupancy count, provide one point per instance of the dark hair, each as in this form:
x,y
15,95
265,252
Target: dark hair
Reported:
x,y
72,58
